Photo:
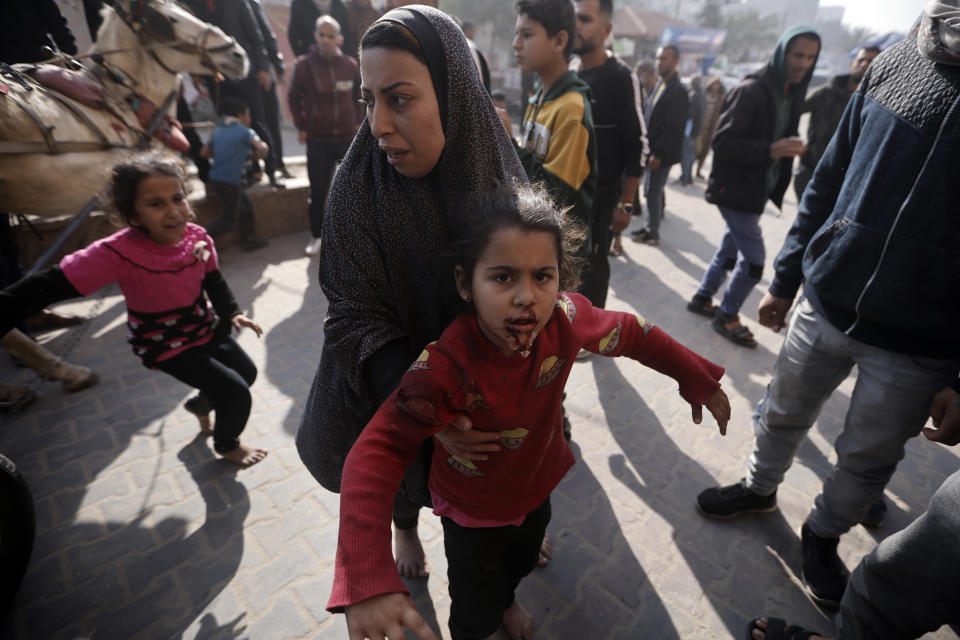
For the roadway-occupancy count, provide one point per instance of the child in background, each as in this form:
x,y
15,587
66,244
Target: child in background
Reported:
x,y
557,143
166,268
233,141
503,363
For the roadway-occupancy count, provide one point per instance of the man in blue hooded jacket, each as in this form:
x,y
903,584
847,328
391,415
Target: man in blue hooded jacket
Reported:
x,y
753,151
874,247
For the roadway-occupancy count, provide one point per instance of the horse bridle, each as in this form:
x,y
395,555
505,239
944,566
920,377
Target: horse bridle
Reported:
x,y
196,46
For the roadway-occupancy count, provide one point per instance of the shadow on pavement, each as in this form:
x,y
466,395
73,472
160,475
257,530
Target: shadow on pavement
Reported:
x,y
743,567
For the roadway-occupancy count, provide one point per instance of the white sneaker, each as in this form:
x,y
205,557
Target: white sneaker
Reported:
x,y
313,247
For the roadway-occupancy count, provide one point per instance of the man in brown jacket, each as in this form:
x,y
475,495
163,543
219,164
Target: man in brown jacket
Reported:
x,y
325,103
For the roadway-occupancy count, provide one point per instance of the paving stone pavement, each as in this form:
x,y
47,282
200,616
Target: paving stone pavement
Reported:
x,y
143,533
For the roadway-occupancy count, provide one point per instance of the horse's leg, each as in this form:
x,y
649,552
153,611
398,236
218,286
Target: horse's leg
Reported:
x,y
49,366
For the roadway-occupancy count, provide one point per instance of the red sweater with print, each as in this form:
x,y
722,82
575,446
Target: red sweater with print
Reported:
x,y
516,396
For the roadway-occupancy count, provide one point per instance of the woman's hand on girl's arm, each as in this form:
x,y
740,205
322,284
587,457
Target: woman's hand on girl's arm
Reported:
x,y
459,439
719,406
239,321
384,616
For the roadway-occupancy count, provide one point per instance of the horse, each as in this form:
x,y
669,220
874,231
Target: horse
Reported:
x,y
56,151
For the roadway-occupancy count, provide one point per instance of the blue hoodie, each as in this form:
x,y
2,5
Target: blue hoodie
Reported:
x,y
875,242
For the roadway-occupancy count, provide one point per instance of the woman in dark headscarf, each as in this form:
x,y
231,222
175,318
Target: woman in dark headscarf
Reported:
x,y
431,138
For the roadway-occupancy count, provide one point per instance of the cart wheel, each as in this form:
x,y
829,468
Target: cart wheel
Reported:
x,y
17,527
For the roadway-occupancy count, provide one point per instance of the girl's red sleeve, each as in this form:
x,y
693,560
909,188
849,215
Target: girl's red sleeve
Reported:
x,y
372,473
615,333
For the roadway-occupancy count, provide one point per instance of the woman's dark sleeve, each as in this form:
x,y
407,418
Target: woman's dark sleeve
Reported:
x,y
30,295
220,295
384,368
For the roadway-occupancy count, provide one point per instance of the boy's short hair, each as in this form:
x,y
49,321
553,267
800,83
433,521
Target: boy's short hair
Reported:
x,y
555,16
232,106
498,95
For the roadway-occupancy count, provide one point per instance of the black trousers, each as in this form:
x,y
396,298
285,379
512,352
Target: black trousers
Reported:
x,y
484,567
271,113
596,280
223,372
322,158
236,209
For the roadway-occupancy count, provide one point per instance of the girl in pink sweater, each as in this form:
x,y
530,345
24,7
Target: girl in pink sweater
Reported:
x,y
503,363
167,269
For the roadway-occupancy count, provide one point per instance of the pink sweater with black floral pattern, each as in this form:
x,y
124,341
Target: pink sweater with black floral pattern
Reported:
x,y
167,311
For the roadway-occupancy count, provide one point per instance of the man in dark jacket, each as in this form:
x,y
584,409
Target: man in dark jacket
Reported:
x,y
27,26
666,111
874,246
695,113
825,105
621,138
271,103
324,100
236,19
753,151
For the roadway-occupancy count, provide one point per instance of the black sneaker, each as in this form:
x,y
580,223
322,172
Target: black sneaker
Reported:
x,y
732,500
876,515
639,234
823,573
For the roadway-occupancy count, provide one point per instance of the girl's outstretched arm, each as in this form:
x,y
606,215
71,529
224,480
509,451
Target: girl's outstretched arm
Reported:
x,y
719,406
384,616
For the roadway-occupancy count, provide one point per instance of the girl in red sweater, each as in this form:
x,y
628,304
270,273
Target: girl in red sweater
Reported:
x,y
503,363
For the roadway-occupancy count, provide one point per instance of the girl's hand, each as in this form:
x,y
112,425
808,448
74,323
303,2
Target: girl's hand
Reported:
x,y
383,616
719,406
240,321
459,439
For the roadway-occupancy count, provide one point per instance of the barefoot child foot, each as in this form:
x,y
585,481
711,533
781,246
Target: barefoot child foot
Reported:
x,y
244,456
411,560
546,551
517,622
199,407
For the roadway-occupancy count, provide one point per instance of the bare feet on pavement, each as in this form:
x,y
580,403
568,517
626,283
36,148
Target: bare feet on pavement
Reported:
x,y
546,551
411,560
206,425
244,456
517,622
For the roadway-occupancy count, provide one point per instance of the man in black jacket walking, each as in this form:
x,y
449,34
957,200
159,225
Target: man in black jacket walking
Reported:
x,y
621,138
666,111
753,151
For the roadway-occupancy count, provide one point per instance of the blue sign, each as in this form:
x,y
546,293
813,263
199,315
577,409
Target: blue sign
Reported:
x,y
694,41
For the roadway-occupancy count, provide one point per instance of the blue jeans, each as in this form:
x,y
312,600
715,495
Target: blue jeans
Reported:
x,y
742,236
889,405
686,159
653,185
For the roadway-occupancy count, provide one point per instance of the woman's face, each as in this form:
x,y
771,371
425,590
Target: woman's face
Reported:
x,y
402,110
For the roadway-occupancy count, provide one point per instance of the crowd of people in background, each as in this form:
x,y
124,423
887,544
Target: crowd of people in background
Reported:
x,y
417,152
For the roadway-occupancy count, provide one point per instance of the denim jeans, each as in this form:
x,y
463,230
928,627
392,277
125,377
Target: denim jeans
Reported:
x,y
686,159
889,405
744,237
654,183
